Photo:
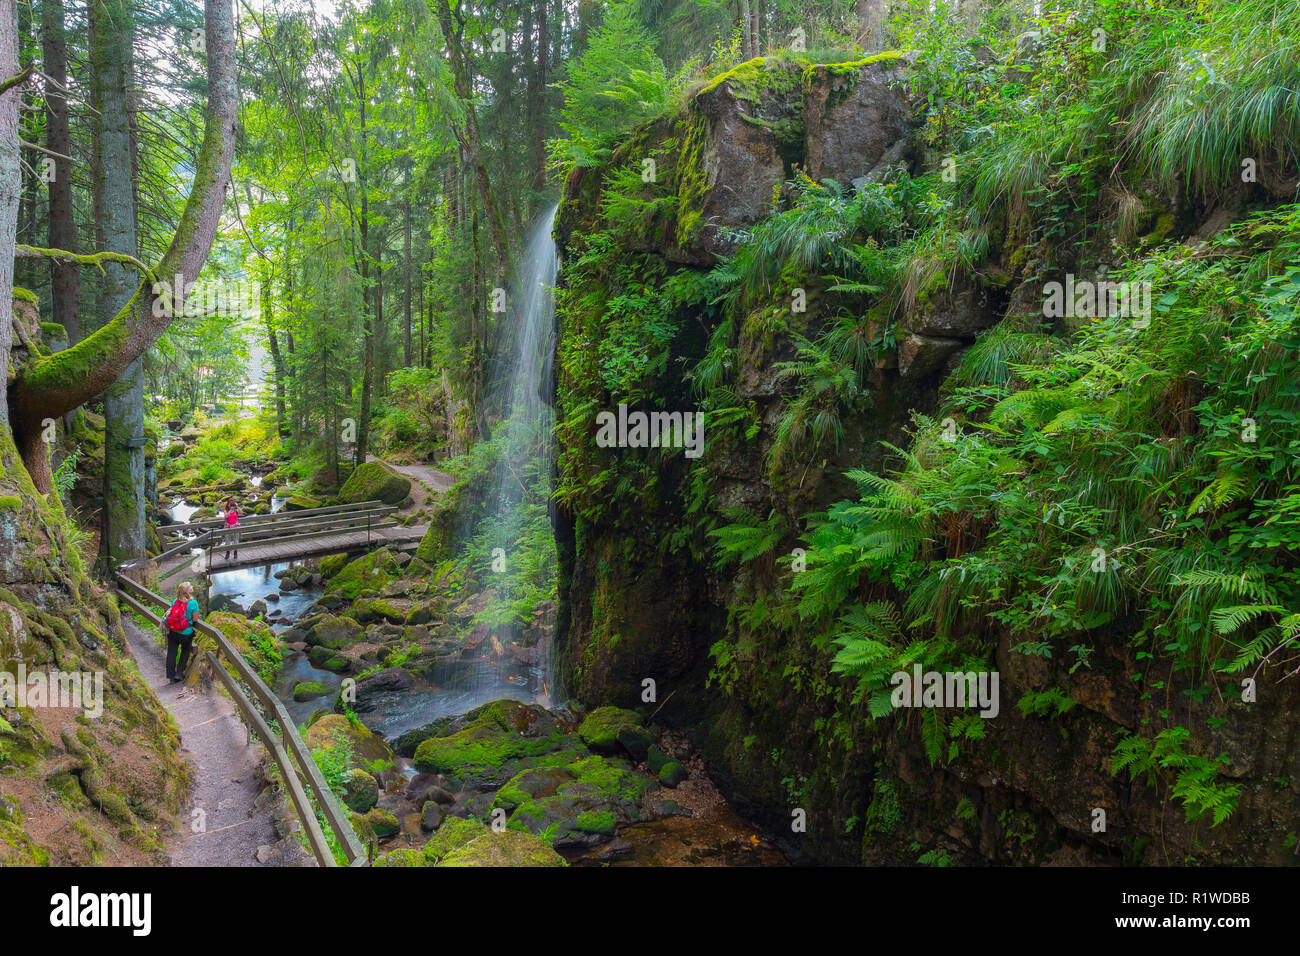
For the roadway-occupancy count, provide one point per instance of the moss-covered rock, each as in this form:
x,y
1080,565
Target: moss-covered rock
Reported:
x,y
364,747
402,858
672,773
375,481
455,833
373,572
360,791
307,689
505,848
382,823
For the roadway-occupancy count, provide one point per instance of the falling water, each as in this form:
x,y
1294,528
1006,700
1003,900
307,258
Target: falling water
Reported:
x,y
520,487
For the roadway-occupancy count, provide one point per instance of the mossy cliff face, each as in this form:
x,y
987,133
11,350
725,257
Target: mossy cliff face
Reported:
x,y
74,788
648,618
77,789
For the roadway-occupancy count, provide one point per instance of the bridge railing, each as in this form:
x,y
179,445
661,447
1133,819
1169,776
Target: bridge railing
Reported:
x,y
285,746
279,528
250,520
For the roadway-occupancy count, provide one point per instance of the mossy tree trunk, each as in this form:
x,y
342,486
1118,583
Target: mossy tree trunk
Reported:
x,y
65,283
59,383
113,35
11,178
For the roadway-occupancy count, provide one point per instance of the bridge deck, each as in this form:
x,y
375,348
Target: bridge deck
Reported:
x,y
276,552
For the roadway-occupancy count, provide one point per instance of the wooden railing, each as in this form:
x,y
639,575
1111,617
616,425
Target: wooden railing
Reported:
x,y
285,747
279,528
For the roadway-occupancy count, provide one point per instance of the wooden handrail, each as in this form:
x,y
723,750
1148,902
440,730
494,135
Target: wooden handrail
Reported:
x,y
278,528
295,537
291,739
208,523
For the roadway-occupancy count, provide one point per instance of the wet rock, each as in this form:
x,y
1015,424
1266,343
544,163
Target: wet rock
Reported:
x,y
257,609
308,689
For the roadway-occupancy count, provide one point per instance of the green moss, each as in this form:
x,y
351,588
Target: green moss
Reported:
x,y
748,80
25,295
454,833
507,848
615,778
10,503
484,745
333,564
373,571
307,689
404,858
375,481
597,821
601,729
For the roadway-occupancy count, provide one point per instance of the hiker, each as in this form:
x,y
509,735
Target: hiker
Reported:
x,y
179,624
232,527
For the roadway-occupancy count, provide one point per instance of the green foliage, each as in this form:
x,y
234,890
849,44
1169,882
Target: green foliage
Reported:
x,y
1194,778
616,83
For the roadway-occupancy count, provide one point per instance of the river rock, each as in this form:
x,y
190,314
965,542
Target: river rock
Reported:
x,y
360,791
672,773
307,689
430,816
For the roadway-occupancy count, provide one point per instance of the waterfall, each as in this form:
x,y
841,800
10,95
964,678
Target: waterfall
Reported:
x,y
517,502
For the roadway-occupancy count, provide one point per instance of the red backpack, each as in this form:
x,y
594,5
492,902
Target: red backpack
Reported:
x,y
177,620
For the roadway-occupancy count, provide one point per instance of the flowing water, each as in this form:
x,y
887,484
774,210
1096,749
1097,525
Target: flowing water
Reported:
x,y
246,585
520,489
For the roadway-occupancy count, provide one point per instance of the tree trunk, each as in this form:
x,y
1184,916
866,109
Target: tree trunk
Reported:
x,y
539,131
406,257
746,36
453,36
277,360
123,532
11,179
871,24
61,382
65,283
367,313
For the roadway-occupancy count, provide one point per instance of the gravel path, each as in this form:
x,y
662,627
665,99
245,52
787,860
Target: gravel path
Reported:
x,y
217,744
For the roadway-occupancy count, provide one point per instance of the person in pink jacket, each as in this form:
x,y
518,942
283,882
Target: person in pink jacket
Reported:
x,y
232,528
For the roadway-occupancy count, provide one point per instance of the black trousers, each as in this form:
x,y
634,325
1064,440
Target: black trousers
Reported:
x,y
182,643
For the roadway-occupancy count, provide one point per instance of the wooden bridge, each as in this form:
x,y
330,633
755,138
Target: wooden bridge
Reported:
x,y
284,536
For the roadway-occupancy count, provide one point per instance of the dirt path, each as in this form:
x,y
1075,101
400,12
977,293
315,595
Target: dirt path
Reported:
x,y
217,744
